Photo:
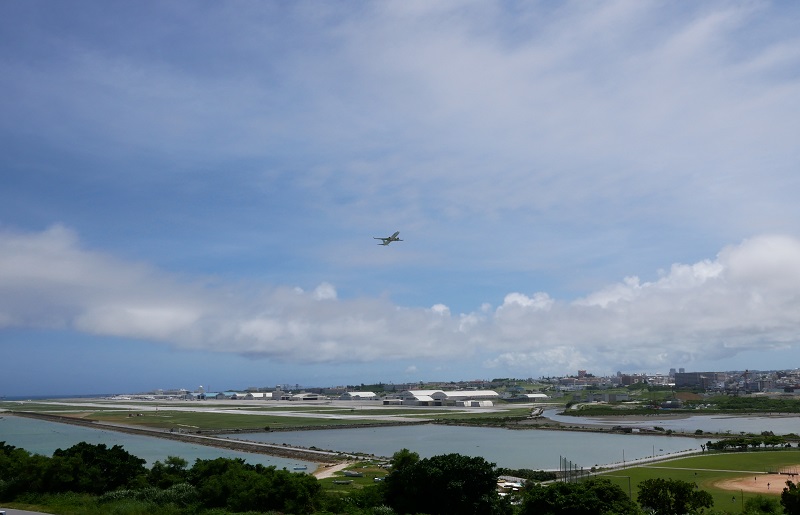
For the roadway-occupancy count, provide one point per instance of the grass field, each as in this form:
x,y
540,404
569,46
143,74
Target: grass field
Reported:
x,y
709,470
467,415
209,420
339,482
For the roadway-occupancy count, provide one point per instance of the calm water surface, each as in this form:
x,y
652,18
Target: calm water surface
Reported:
x,y
537,449
735,424
41,437
534,449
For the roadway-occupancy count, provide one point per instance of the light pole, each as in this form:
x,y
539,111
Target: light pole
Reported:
x,y
630,495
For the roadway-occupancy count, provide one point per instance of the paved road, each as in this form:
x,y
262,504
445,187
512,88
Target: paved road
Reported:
x,y
12,511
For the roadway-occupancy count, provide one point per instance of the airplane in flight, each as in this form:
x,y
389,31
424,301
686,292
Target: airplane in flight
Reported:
x,y
388,240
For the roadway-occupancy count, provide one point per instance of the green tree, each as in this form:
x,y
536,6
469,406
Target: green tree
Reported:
x,y
171,472
238,486
449,484
590,497
534,475
90,468
672,496
761,505
20,471
790,499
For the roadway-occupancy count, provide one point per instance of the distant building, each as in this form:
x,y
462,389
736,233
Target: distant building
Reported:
x,y
703,380
537,396
261,396
629,379
419,397
616,397
280,395
447,398
453,396
306,396
353,396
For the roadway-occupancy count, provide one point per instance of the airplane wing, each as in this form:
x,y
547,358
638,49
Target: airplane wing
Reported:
x,y
388,239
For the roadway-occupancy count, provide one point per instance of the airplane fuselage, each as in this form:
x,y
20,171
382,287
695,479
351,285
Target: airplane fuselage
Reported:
x,y
389,239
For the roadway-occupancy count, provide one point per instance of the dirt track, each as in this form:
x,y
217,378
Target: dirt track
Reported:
x,y
767,484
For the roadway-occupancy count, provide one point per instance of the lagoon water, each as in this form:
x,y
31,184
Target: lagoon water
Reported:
x,y
723,423
41,437
533,449
536,449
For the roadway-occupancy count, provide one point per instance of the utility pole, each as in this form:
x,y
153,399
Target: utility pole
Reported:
x,y
630,494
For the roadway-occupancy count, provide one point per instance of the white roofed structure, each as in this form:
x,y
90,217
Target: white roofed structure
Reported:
x,y
351,396
536,396
442,397
469,394
415,393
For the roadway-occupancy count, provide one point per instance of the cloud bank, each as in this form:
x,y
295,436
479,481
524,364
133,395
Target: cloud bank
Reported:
x,y
745,298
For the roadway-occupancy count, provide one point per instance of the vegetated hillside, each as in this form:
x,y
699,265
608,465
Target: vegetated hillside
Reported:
x,y
751,403
692,402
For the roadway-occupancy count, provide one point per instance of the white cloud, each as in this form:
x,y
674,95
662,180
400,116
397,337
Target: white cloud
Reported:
x,y
562,145
539,301
325,291
744,299
441,309
48,280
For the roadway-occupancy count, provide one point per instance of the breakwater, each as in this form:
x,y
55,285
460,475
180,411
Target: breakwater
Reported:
x,y
279,450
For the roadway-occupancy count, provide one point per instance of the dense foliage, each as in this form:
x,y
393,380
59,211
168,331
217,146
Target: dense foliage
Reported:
x,y
745,442
531,475
95,479
751,404
449,484
790,499
115,475
591,497
761,505
83,468
651,397
671,496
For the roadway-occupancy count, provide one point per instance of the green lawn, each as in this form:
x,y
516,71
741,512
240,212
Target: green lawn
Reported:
x,y
206,420
369,469
705,470
477,414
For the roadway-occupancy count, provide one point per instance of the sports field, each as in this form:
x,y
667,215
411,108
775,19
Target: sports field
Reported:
x,y
729,477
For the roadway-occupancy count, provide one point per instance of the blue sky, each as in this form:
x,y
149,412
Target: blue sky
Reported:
x,y
190,191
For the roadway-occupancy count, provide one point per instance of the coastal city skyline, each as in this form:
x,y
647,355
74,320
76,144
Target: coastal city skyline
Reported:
x,y
745,381
192,193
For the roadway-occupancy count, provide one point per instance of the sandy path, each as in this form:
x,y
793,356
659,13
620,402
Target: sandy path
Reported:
x,y
327,471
